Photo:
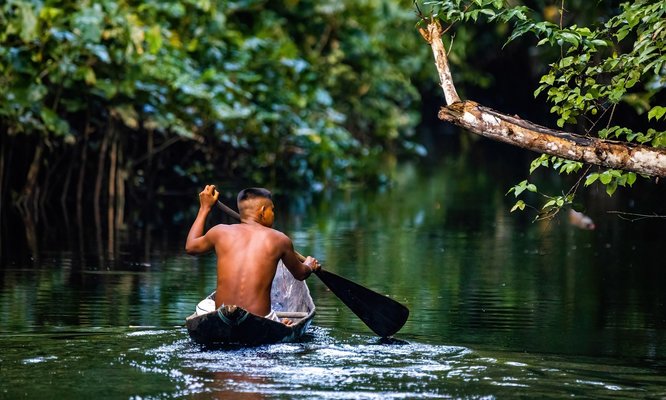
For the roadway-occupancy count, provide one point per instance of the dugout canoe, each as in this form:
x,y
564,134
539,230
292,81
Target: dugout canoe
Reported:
x,y
231,325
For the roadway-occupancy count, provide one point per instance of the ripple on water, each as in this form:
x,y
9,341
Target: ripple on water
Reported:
x,y
359,367
37,360
320,366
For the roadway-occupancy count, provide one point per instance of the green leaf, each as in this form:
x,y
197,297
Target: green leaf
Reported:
x,y
520,205
127,114
611,188
548,79
154,39
53,122
591,178
105,88
659,140
538,162
518,190
631,178
622,33
488,11
657,112
570,166
90,76
570,38
605,177
28,22
88,23
474,14
549,204
49,117
566,61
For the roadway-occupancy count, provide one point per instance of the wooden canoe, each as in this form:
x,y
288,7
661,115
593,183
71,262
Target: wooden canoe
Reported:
x,y
229,325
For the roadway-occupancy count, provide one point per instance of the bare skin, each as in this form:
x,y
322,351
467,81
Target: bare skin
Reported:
x,y
247,253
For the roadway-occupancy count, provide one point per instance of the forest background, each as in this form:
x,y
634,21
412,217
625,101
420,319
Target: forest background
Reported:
x,y
118,106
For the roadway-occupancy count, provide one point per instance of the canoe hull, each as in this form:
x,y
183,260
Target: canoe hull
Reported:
x,y
242,327
229,325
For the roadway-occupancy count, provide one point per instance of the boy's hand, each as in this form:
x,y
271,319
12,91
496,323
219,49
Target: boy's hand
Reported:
x,y
313,263
208,197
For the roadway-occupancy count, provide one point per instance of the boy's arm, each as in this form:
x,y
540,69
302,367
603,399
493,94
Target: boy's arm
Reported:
x,y
300,270
197,242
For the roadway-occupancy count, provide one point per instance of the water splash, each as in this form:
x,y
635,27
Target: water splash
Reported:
x,y
328,367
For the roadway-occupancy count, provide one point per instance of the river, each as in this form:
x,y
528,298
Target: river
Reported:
x,y
500,306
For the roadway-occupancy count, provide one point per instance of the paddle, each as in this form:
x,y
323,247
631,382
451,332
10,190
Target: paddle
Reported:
x,y
382,314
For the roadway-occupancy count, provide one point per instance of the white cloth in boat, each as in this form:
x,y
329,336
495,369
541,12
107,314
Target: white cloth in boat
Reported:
x,y
208,305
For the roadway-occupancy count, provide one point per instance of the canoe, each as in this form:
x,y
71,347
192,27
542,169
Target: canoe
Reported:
x,y
229,325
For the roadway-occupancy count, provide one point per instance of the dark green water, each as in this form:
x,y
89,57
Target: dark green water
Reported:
x,y
500,307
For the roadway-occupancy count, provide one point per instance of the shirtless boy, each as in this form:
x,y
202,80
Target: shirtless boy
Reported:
x,y
247,253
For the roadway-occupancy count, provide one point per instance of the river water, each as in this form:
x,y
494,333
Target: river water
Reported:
x,y
500,307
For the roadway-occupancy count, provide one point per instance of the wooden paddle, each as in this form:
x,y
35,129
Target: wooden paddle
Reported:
x,y
382,314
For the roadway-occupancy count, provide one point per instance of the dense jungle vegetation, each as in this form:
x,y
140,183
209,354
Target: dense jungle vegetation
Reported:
x,y
114,100
108,102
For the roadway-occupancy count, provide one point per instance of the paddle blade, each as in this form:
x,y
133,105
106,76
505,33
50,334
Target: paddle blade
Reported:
x,y
382,314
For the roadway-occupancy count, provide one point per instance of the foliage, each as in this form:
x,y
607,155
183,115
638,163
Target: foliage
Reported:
x,y
300,91
600,67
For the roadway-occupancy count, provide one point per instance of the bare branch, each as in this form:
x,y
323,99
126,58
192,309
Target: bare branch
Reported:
x,y
635,216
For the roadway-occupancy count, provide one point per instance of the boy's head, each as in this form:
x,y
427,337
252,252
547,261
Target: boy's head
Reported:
x,y
257,202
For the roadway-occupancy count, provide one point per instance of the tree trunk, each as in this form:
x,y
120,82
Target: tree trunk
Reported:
x,y
120,186
51,179
82,170
113,170
2,171
66,183
3,145
101,168
31,179
149,198
518,132
30,232
65,192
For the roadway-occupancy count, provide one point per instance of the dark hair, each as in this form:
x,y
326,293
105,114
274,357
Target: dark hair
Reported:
x,y
251,193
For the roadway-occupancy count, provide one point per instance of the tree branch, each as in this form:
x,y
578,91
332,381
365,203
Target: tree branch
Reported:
x,y
433,36
518,132
635,216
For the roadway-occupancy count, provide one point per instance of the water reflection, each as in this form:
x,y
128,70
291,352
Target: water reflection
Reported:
x,y
224,385
477,275
499,305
